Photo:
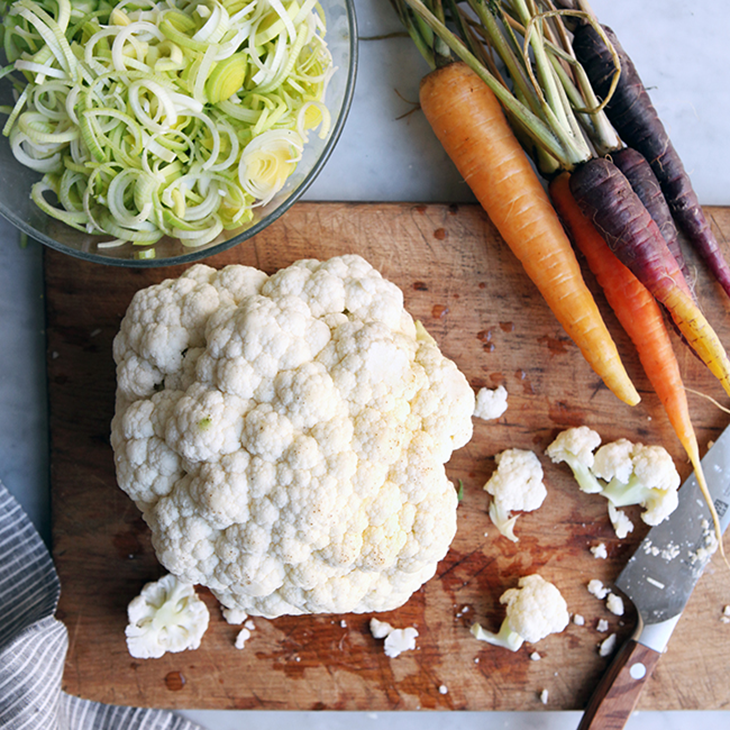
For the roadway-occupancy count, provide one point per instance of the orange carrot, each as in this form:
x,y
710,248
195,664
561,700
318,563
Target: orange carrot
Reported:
x,y
641,317
469,122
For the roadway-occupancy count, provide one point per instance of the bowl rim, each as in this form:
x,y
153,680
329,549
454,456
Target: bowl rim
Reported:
x,y
197,254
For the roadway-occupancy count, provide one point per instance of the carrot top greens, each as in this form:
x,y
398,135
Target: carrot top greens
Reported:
x,y
522,51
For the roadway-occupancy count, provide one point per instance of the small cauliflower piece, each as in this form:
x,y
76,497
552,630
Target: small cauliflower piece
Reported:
x,y
285,436
534,610
167,616
242,637
599,551
516,485
234,616
400,640
396,640
596,588
607,646
379,629
575,447
615,604
491,404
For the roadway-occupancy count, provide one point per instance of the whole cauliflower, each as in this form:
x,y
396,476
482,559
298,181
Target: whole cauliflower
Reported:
x,y
285,436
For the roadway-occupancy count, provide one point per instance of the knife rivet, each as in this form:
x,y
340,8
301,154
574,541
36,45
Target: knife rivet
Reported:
x,y
637,671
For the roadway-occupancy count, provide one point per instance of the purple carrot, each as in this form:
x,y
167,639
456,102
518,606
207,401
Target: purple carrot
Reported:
x,y
632,114
606,198
645,184
605,195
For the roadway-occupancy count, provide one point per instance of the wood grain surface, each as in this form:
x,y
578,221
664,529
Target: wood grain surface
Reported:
x,y
471,294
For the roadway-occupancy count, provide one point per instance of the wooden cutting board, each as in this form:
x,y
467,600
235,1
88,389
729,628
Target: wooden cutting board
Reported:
x,y
472,295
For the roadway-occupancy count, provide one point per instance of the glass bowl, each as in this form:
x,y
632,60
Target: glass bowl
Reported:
x,y
16,179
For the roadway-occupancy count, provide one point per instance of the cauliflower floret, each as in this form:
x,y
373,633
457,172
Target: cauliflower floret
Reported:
x,y
285,436
534,610
625,473
575,446
639,474
491,404
516,485
166,616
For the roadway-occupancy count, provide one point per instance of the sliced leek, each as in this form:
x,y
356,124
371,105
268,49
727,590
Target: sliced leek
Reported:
x,y
175,118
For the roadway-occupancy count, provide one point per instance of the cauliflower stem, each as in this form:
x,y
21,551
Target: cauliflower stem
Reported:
x,y
506,637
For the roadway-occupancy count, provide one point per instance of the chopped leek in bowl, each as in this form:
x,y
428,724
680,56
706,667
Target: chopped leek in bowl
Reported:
x,y
153,132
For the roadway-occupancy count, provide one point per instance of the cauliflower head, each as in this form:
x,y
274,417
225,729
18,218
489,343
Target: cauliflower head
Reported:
x,y
285,436
535,609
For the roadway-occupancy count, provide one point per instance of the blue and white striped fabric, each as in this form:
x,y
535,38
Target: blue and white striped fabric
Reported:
x,y
33,644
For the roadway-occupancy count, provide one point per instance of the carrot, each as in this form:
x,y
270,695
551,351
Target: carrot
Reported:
x,y
606,198
645,184
637,122
469,122
640,316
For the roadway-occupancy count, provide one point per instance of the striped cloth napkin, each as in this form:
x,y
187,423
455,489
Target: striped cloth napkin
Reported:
x,y
33,644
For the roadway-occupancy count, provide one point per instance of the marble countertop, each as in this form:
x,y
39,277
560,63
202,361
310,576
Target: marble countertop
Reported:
x,y
387,152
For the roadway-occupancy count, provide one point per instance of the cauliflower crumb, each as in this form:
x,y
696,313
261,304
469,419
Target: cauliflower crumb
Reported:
x,y
606,647
544,696
602,625
343,624
379,629
670,551
708,548
234,616
396,640
725,618
516,485
491,404
621,522
400,640
443,689
597,589
615,604
599,551
242,637
579,620
535,656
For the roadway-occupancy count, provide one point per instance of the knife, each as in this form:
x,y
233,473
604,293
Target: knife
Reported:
x,y
659,579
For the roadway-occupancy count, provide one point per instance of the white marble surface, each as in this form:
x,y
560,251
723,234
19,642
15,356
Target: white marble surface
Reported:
x,y
385,153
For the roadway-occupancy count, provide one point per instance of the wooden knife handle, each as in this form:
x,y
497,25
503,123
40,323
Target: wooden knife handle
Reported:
x,y
618,691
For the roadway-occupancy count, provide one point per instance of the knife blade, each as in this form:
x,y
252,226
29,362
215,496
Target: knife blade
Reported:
x,y
658,579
